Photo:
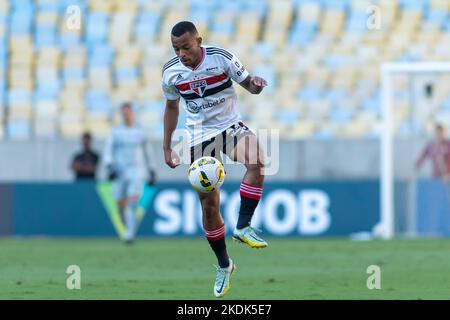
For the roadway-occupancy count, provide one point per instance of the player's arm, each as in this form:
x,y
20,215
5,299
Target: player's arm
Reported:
x,y
76,164
239,73
108,157
422,157
254,84
170,124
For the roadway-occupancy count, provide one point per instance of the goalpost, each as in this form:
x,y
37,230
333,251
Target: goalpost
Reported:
x,y
386,227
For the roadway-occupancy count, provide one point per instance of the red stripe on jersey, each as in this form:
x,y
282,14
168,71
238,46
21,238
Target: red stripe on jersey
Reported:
x,y
209,81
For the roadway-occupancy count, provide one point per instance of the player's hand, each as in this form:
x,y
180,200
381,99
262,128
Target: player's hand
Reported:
x,y
151,177
112,173
258,82
172,158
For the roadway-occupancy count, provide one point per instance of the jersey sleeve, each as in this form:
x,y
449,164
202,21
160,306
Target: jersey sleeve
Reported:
x,y
169,90
236,69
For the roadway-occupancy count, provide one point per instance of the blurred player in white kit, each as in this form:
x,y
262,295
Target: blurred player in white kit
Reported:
x,y
129,165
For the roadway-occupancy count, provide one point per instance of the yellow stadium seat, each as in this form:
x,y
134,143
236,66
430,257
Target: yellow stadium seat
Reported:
x,y
355,129
303,129
72,130
100,5
443,5
20,111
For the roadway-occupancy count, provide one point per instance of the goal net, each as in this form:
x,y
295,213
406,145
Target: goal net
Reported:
x,y
415,97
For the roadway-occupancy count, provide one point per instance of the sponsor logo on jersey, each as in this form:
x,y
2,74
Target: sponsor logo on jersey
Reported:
x,y
193,107
198,87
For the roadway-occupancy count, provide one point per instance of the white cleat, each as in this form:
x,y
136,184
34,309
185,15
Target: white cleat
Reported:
x,y
222,284
248,235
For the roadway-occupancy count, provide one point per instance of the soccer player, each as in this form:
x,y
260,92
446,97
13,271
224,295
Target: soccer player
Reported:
x,y
439,152
202,75
128,164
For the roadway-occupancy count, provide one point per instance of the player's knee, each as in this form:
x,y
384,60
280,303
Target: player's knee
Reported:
x,y
133,200
210,208
256,168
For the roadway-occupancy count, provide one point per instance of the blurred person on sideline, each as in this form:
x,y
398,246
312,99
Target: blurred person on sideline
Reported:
x,y
127,160
438,151
84,163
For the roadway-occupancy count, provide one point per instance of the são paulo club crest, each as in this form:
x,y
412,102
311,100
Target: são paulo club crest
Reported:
x,y
198,87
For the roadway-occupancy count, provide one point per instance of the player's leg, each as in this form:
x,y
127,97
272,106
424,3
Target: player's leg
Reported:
x,y
120,195
248,151
214,228
122,204
213,223
134,189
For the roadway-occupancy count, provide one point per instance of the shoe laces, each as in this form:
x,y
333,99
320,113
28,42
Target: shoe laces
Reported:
x,y
221,273
253,231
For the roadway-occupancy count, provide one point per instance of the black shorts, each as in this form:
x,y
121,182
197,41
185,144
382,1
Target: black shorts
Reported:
x,y
224,143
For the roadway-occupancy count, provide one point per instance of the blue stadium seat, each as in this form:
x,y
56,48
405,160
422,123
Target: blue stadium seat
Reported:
x,y
446,104
47,91
224,27
288,117
101,55
335,5
264,49
341,115
302,32
335,95
372,104
408,128
98,101
357,22
204,6
20,23
18,96
200,16
323,134
126,74
231,6
439,17
3,55
256,5
309,93
25,6
96,28
73,73
153,106
50,6
18,129
45,36
148,20
333,61
68,41
447,25
419,5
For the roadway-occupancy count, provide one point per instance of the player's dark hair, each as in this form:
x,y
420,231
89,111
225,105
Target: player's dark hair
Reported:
x,y
126,105
182,27
439,126
87,135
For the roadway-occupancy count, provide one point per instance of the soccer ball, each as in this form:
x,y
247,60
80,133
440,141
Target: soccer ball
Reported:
x,y
206,174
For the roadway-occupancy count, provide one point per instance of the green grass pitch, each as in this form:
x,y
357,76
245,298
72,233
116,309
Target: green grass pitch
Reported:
x,y
182,268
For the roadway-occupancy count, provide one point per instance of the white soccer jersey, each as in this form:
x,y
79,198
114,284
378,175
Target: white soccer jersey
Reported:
x,y
208,92
124,149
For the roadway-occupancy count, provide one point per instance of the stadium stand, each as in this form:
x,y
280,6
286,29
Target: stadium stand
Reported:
x,y
319,57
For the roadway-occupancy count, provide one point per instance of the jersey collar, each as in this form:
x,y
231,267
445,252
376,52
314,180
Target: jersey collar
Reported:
x,y
201,60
